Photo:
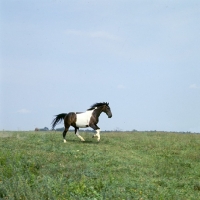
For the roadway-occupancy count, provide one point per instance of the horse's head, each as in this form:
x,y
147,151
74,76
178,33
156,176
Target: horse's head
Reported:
x,y
107,110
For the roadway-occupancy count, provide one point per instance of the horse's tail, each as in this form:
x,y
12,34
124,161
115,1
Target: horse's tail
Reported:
x,y
58,119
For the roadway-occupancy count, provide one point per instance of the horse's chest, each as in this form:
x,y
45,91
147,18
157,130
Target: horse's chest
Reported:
x,y
83,119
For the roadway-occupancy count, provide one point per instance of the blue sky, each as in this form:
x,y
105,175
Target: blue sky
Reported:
x,y
140,56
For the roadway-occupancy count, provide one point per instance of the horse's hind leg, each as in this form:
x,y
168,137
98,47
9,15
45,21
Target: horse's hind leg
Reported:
x,y
64,133
77,134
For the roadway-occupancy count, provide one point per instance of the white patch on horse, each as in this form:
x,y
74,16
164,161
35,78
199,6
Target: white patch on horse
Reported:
x,y
97,135
83,119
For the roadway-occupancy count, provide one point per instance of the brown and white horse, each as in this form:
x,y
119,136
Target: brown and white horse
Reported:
x,y
90,118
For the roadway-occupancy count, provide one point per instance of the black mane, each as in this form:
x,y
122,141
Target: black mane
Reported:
x,y
98,105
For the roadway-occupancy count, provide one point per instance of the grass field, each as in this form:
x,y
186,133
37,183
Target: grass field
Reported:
x,y
124,165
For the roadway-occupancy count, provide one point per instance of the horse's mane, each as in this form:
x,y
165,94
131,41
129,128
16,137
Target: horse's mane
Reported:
x,y
98,105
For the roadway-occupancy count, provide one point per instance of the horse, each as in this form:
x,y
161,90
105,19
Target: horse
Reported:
x,y
89,118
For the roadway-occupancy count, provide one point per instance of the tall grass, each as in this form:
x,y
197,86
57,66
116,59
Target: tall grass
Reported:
x,y
137,165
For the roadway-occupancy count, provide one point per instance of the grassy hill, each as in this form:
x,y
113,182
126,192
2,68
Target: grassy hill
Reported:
x,y
137,165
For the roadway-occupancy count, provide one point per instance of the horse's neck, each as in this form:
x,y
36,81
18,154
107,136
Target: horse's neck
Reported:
x,y
97,112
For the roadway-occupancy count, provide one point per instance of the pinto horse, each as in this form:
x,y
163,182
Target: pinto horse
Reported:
x,y
90,118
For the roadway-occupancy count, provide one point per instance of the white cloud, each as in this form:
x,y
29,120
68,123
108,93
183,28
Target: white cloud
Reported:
x,y
23,111
92,34
194,86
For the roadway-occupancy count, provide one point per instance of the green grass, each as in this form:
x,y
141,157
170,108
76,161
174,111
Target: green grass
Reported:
x,y
138,165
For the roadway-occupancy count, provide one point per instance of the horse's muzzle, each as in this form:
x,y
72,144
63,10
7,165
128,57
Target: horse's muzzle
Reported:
x,y
110,116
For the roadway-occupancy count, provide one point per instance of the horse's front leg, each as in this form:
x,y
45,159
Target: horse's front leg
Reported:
x,y
97,135
77,134
97,129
